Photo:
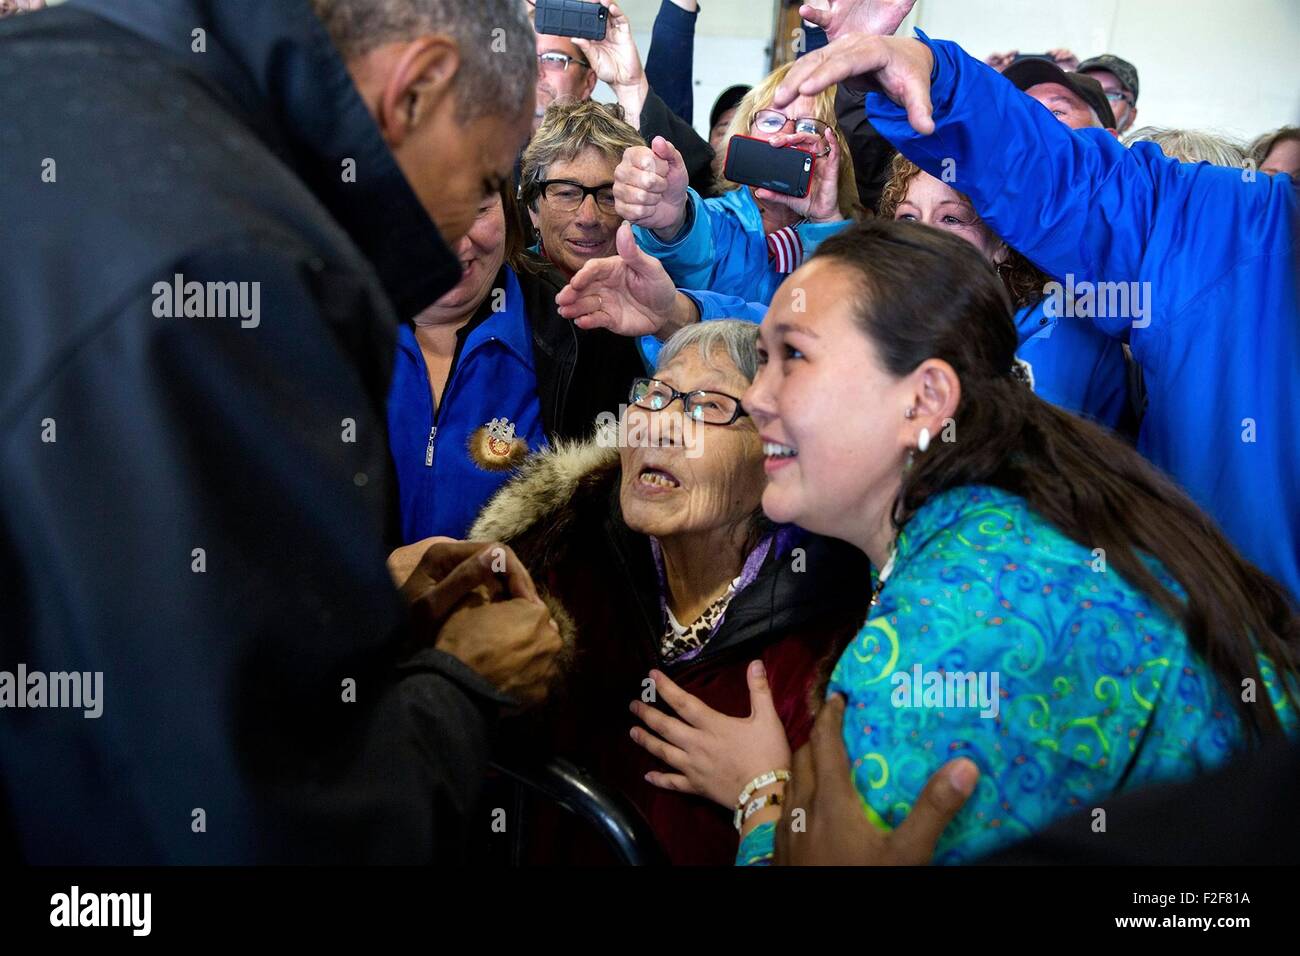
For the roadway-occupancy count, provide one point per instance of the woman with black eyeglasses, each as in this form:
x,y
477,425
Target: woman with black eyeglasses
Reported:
x,y
651,547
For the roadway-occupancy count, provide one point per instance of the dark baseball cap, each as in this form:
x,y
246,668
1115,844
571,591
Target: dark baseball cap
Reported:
x,y
1124,71
727,99
1035,70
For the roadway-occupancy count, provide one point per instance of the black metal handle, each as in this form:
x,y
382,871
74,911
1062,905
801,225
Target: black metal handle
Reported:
x,y
560,781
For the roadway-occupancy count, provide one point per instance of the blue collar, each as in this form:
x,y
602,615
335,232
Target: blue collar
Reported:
x,y
509,326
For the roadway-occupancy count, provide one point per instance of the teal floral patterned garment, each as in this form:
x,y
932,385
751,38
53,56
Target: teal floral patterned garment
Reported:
x,y
1074,684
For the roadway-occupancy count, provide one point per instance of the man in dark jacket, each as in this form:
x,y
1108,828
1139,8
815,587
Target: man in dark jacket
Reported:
x,y
211,223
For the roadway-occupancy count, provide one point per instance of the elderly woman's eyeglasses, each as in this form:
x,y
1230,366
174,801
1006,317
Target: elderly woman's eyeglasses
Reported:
x,y
568,196
712,408
772,122
558,62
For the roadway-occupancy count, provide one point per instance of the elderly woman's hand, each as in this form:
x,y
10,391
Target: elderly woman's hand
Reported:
x,y
629,294
716,756
822,204
650,188
835,831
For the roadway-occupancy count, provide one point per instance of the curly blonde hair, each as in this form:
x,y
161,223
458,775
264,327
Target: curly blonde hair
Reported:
x,y
1024,280
760,98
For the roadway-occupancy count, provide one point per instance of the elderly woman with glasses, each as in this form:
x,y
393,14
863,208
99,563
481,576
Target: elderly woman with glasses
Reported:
x,y
652,539
745,241
567,182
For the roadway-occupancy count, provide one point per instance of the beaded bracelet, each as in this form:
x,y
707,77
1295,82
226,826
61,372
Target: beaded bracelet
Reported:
x,y
758,803
762,780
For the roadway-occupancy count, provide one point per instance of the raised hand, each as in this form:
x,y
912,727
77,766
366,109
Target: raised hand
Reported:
x,y
1000,61
899,68
822,202
617,61
842,17
650,187
629,294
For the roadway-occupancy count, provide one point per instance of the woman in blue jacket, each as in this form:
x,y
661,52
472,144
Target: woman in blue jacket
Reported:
x,y
1073,363
489,373
1046,603
745,241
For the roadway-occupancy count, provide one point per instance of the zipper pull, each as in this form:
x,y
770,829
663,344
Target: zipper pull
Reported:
x,y
428,453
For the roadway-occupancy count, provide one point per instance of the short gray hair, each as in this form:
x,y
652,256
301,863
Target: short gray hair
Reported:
x,y
498,47
736,337
1191,146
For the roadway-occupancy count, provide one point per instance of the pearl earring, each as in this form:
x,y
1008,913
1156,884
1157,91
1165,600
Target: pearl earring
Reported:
x,y
923,440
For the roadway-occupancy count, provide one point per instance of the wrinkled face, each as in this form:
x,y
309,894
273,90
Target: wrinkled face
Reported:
x,y
572,237
934,203
455,166
1065,105
830,417
572,84
669,489
720,128
1284,157
481,252
1121,99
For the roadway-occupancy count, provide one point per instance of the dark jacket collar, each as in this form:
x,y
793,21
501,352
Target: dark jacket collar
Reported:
x,y
273,61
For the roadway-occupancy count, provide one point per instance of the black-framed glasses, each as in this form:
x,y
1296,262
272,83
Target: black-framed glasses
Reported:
x,y
568,196
701,405
558,62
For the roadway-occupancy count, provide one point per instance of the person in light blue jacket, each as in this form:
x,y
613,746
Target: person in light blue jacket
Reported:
x,y
1192,265
744,242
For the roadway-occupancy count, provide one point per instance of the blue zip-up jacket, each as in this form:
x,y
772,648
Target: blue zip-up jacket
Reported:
x,y
722,246
441,487
1075,365
1212,250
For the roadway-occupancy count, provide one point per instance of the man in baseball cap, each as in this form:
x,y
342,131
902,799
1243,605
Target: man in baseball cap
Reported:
x,y
1119,78
1076,100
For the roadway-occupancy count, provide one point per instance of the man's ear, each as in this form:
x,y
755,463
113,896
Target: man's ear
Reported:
x,y
420,81
591,83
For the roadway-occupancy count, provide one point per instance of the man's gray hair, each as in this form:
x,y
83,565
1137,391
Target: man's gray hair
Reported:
x,y
498,47
736,337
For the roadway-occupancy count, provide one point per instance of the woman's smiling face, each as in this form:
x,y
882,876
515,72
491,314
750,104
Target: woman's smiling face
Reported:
x,y
830,416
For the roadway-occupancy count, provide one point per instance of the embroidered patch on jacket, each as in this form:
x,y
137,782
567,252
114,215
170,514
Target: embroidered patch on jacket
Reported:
x,y
494,447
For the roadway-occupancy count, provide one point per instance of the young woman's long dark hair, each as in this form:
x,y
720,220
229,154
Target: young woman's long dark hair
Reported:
x,y
926,294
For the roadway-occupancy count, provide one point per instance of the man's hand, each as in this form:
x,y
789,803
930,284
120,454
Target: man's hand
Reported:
x,y
1000,61
842,17
435,574
617,62
822,204
837,832
629,294
1065,59
899,68
513,644
480,604
650,188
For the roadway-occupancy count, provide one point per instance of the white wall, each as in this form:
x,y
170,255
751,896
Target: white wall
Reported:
x,y
1230,65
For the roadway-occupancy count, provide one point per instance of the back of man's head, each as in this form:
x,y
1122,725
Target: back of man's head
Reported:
x,y
495,39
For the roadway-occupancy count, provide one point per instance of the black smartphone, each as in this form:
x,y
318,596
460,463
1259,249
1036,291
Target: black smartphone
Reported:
x,y
572,18
1032,56
753,162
